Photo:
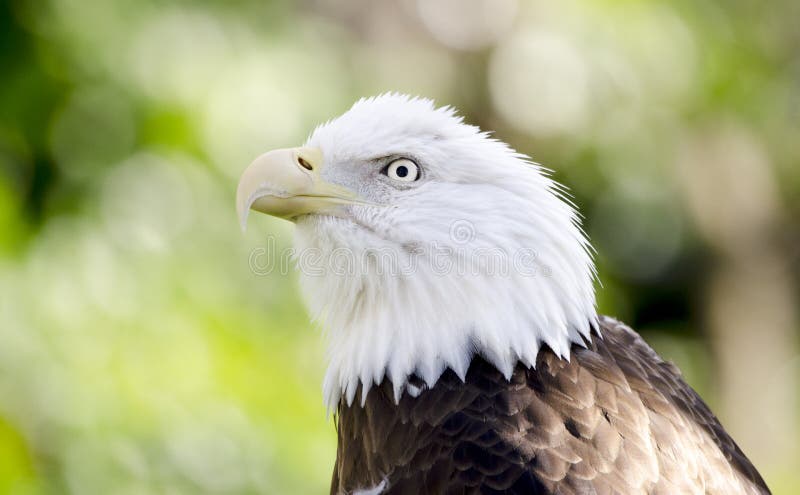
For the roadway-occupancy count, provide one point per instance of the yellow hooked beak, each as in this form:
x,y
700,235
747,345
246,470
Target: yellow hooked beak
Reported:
x,y
286,183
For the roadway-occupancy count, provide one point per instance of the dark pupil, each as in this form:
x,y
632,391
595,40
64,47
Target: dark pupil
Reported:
x,y
401,171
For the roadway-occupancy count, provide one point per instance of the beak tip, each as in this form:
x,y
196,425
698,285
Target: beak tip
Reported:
x,y
243,220
242,213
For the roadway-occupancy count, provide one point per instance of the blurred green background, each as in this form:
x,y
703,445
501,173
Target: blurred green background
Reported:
x,y
141,352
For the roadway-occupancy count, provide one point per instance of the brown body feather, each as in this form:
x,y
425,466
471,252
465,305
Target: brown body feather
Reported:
x,y
616,418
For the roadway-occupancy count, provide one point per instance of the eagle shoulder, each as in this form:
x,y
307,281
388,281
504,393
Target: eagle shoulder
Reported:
x,y
615,418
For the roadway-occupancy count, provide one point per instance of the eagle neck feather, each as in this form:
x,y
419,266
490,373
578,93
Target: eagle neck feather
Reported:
x,y
381,324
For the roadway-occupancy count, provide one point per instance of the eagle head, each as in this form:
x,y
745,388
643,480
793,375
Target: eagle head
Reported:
x,y
422,241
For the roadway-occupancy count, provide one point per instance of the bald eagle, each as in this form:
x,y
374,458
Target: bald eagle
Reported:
x,y
465,353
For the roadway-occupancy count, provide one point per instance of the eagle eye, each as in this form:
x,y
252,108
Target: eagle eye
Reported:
x,y
402,170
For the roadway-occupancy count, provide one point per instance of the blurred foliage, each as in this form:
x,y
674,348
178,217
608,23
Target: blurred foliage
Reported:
x,y
140,352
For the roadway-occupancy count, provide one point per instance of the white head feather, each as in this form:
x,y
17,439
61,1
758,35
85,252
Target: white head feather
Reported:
x,y
483,254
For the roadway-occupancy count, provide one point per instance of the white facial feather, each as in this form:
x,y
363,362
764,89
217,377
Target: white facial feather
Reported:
x,y
483,254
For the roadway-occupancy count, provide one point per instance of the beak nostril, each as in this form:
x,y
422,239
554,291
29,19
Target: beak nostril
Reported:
x,y
304,163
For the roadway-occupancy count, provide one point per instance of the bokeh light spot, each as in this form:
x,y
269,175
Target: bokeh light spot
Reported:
x,y
539,83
